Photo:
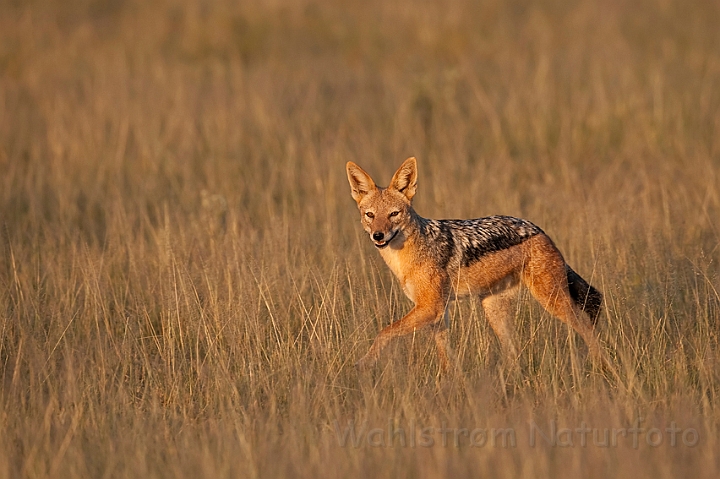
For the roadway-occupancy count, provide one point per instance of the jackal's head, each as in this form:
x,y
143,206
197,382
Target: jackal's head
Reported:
x,y
384,211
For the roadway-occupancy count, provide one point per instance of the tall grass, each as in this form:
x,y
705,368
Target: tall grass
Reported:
x,y
184,285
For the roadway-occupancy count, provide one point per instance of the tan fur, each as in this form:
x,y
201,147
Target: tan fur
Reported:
x,y
388,217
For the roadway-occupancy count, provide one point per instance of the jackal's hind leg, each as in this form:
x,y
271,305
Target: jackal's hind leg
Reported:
x,y
557,301
546,278
500,313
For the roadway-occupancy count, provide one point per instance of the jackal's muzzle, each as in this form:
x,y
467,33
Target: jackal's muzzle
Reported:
x,y
379,238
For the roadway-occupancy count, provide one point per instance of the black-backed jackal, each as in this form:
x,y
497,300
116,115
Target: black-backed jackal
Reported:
x,y
439,260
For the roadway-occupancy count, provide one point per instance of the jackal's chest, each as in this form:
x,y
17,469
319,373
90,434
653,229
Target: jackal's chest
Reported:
x,y
402,266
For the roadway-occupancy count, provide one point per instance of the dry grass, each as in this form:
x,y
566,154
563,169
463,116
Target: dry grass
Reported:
x,y
184,285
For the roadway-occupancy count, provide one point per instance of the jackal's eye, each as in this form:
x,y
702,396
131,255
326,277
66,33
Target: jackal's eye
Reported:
x,y
370,214
394,213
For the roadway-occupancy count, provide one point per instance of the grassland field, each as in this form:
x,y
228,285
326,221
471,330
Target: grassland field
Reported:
x,y
185,285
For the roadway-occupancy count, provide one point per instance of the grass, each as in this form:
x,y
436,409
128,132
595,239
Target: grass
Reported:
x,y
184,285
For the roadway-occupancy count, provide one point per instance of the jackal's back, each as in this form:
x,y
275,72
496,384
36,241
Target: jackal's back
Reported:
x,y
460,243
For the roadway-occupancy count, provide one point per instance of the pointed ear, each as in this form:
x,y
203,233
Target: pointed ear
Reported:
x,y
405,178
360,182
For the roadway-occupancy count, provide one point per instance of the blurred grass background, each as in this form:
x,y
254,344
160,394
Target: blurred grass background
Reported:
x,y
184,285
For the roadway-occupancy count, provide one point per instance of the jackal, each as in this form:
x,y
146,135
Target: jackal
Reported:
x,y
439,260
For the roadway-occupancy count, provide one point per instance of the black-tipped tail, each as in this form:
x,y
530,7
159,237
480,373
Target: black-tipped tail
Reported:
x,y
584,295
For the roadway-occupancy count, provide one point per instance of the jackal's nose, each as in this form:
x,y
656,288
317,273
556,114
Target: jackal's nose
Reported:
x,y
378,236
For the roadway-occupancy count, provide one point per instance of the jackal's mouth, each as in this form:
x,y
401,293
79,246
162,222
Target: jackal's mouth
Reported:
x,y
383,244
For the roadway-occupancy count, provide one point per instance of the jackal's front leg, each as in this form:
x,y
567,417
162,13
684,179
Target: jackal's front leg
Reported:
x,y
440,334
417,318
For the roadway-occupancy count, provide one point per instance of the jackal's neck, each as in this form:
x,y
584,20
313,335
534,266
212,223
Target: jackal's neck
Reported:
x,y
416,225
